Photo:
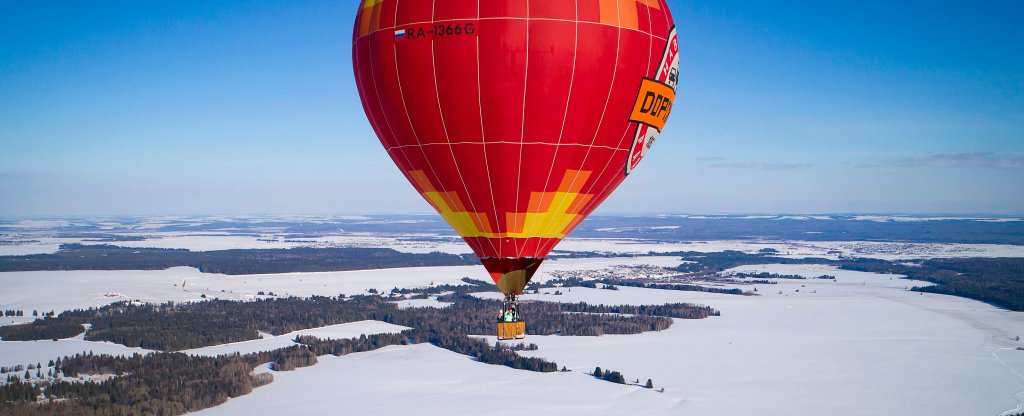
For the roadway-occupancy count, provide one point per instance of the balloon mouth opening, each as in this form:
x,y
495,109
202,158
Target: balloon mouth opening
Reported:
x,y
511,274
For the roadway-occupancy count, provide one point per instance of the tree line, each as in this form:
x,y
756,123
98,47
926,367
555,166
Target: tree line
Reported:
x,y
999,281
594,284
152,384
232,262
46,328
168,383
178,326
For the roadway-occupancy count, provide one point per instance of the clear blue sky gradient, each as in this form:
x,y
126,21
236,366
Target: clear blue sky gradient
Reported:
x,y
250,107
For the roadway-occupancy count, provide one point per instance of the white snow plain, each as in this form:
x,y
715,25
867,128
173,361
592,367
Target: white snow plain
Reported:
x,y
63,290
797,249
427,380
271,342
861,345
430,302
18,246
15,244
31,352
857,346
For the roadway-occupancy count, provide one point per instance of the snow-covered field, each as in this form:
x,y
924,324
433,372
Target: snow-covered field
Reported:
x,y
38,290
799,249
15,244
427,380
31,352
271,342
63,290
430,302
78,289
623,296
859,346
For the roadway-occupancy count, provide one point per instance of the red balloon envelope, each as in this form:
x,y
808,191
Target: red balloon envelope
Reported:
x,y
515,119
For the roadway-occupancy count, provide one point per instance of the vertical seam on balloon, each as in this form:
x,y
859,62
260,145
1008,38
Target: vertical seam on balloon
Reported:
x,y
394,23
444,126
522,133
596,199
565,115
401,92
668,24
483,139
611,87
380,103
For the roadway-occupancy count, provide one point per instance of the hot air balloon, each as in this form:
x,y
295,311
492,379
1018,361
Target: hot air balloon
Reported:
x,y
515,119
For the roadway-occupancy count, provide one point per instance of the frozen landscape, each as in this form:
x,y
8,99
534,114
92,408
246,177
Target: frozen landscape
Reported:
x,y
859,344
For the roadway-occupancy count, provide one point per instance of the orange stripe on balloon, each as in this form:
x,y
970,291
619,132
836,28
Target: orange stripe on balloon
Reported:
x,y
421,181
515,222
624,13
369,17
540,201
481,222
610,12
573,181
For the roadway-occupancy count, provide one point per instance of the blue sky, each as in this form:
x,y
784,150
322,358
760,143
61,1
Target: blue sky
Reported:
x,y
250,107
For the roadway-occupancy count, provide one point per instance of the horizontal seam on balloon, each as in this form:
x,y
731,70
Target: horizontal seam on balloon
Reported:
x,y
525,143
384,29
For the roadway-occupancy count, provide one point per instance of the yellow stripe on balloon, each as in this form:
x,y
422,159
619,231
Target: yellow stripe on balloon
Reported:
x,y
550,214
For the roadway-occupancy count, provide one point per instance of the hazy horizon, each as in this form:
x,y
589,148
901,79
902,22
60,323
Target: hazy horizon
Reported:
x,y
692,215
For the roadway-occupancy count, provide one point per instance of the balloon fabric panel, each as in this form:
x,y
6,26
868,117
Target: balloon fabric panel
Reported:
x,y
515,119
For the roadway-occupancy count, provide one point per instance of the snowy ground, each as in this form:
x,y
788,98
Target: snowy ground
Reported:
x,y
63,290
798,249
623,296
861,345
426,380
430,302
17,244
36,290
31,352
270,342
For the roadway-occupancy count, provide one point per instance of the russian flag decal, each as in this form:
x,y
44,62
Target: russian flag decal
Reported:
x,y
399,34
